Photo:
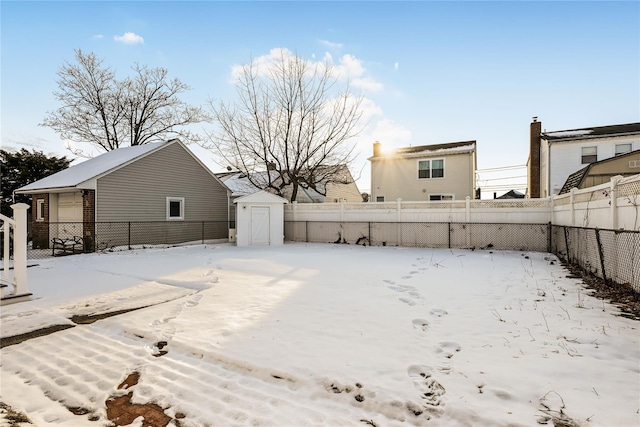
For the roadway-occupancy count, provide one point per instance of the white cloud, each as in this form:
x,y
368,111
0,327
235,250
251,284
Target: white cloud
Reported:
x,y
330,45
97,37
129,38
395,66
348,67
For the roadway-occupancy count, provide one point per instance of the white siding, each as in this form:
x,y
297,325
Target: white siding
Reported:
x,y
565,158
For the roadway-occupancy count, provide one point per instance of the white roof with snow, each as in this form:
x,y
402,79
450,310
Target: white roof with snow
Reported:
x,y
90,169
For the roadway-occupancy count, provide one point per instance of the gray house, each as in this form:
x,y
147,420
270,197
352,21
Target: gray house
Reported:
x,y
145,194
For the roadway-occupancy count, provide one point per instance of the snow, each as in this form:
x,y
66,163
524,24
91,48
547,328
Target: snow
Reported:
x,y
82,172
313,334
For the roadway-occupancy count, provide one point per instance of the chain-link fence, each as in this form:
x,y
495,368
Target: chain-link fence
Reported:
x,y
612,255
525,237
63,238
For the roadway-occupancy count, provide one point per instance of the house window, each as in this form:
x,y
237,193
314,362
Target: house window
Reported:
x,y
40,210
175,208
379,198
431,168
623,149
440,197
589,155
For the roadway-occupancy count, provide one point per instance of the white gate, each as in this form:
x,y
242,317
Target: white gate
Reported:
x,y
13,277
259,225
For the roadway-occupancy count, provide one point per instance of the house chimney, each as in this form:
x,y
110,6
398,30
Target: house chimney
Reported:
x,y
376,149
534,158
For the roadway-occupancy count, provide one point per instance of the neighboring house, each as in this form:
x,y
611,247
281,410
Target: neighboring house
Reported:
x,y
424,173
511,194
162,182
555,155
602,171
346,190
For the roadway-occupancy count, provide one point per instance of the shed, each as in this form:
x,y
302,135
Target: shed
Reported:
x,y
260,219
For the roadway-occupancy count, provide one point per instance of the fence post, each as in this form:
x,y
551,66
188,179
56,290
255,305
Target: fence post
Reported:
x,y
398,219
600,253
467,209
449,233
573,208
341,210
294,206
19,248
203,232
549,237
306,231
614,202
129,236
566,243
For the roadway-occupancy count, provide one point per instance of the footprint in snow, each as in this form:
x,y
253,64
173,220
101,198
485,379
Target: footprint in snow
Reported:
x,y
193,301
438,312
448,348
421,324
431,391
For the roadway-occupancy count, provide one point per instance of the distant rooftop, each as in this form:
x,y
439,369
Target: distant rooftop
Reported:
x,y
593,132
440,149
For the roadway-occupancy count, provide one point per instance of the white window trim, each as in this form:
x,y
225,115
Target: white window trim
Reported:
x,y
628,144
452,195
430,160
175,199
39,209
582,156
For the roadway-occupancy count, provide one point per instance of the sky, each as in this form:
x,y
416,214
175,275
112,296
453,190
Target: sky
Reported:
x,y
430,72
273,336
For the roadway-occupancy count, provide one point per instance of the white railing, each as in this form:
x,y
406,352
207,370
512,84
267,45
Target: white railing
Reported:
x,y
523,211
13,276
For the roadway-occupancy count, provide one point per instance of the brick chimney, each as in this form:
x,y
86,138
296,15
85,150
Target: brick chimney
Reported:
x,y
534,158
376,149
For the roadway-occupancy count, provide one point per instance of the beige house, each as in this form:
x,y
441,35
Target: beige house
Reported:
x,y
601,172
424,173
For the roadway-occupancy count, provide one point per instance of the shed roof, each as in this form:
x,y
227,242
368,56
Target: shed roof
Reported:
x,y
261,197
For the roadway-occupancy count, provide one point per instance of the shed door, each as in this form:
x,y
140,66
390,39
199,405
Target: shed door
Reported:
x,y
259,225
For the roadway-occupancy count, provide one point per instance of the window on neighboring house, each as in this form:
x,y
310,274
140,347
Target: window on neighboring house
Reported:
x,y
623,149
40,210
379,198
438,197
589,155
175,208
431,168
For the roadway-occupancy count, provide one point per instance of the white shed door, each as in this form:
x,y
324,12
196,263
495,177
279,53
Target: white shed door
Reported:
x,y
259,225
70,207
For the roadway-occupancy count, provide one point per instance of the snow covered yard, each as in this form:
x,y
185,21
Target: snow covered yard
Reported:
x,y
312,334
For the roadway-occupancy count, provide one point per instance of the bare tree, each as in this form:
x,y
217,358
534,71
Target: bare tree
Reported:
x,y
290,127
108,113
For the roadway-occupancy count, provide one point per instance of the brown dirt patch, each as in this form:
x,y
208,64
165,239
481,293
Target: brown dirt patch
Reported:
x,y
122,412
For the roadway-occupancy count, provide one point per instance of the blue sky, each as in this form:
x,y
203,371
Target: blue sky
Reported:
x,y
432,72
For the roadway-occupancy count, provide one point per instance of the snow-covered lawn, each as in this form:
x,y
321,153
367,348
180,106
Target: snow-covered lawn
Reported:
x,y
312,334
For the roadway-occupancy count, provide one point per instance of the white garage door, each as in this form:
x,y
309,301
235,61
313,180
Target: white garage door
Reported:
x,y
70,207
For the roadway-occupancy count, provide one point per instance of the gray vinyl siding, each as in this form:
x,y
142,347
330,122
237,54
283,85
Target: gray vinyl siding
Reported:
x,y
138,191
